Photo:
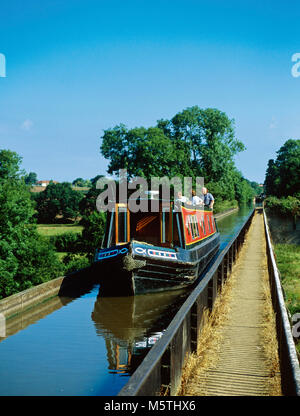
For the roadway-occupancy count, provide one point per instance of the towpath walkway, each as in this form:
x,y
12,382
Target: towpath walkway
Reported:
x,y
243,358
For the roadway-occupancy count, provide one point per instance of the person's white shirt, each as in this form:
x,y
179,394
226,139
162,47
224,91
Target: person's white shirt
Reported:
x,y
182,199
196,200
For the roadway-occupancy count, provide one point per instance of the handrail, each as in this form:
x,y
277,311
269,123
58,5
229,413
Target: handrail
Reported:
x,y
289,364
162,367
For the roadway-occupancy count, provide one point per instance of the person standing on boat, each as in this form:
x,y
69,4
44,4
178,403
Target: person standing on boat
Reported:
x,y
181,198
208,199
196,200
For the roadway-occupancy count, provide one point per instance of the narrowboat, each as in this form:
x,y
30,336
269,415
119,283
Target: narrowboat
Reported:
x,y
144,252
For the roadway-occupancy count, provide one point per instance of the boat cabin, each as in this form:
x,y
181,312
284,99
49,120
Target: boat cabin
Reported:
x,y
166,228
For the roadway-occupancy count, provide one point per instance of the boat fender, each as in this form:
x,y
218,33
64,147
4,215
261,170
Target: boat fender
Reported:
x,y
130,264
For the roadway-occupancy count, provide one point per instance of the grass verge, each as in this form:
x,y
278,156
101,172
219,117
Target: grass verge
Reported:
x,y
49,230
288,263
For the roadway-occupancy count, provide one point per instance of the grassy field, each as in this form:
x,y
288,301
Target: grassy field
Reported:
x,y
76,260
288,263
49,230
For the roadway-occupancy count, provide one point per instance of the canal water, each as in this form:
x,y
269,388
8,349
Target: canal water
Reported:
x,y
88,345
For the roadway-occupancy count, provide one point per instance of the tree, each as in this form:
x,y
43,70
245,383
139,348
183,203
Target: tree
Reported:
x,y
209,139
93,231
271,178
26,258
195,142
10,165
58,200
81,182
288,165
282,175
31,178
143,152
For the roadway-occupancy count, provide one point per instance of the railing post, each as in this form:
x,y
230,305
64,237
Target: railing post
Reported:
x,y
166,372
225,266
212,290
194,327
230,259
221,275
235,251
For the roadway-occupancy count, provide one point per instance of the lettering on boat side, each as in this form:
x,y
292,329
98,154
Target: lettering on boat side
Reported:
x,y
155,253
111,253
165,254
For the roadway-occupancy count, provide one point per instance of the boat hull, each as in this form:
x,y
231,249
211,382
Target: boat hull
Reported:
x,y
136,268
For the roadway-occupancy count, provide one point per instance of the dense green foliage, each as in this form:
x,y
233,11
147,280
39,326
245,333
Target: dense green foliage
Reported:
x,y
31,178
57,200
282,182
288,262
284,206
282,176
66,242
282,186
26,258
194,143
92,234
81,182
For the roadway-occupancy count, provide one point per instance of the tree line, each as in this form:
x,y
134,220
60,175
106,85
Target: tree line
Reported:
x,y
194,143
282,183
26,257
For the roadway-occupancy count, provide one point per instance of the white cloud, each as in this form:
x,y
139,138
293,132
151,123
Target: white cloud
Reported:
x,y
273,124
27,125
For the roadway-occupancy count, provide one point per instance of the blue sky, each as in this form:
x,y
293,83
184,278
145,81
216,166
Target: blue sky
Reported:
x,y
74,68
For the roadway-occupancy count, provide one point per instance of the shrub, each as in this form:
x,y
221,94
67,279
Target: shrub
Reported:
x,y
67,242
74,262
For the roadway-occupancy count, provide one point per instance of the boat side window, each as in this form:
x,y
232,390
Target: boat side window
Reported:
x,y
203,224
165,231
109,238
177,230
212,223
208,222
122,225
192,226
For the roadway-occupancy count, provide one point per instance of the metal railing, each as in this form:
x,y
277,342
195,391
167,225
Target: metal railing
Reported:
x,y
161,369
289,364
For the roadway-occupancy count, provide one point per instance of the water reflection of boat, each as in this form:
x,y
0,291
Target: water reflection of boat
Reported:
x,y
131,325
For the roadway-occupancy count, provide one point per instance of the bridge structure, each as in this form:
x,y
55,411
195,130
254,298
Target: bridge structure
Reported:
x,y
232,336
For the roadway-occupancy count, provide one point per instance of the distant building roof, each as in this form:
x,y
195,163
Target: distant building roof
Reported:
x,y
44,183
